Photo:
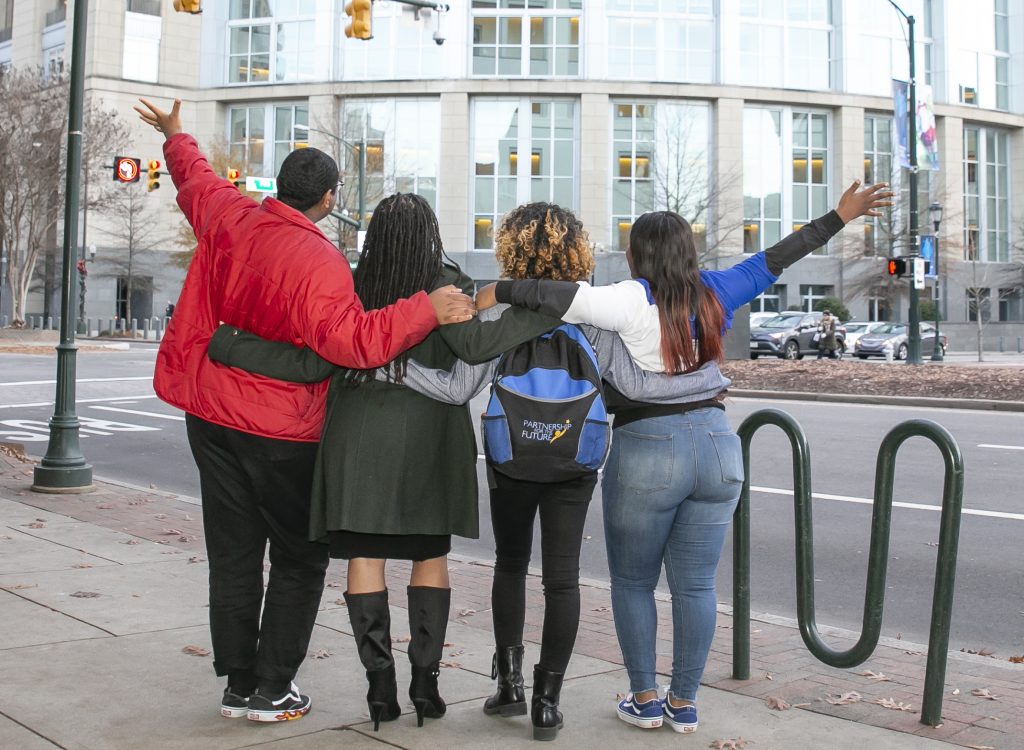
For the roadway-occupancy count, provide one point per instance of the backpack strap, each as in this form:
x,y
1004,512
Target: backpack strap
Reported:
x,y
574,333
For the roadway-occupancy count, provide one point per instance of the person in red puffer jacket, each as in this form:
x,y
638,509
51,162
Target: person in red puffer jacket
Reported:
x,y
266,268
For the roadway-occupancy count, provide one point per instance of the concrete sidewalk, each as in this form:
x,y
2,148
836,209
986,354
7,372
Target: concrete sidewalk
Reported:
x,y
101,594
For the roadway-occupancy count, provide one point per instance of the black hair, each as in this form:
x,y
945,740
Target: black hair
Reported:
x,y
306,174
402,254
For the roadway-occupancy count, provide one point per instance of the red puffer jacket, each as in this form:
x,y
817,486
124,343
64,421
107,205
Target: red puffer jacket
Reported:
x,y
266,268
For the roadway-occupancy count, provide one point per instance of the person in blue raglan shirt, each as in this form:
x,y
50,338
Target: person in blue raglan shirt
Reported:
x,y
675,471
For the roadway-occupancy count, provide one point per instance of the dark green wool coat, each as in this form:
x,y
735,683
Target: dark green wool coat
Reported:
x,y
391,461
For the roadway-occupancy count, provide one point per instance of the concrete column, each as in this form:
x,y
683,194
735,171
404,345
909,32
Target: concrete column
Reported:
x,y
595,170
850,272
455,173
726,172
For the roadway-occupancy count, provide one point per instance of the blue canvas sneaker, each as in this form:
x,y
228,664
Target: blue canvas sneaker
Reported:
x,y
644,715
682,719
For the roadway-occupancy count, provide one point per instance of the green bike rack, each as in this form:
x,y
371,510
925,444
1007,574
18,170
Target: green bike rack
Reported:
x,y
881,521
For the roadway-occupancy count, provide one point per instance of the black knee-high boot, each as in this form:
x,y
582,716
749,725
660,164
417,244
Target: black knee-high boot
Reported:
x,y
428,623
507,667
547,691
371,625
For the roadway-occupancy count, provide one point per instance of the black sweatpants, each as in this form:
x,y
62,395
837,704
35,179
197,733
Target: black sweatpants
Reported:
x,y
257,489
563,513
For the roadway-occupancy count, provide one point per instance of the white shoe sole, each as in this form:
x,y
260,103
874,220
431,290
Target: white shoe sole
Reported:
x,y
273,716
639,722
681,728
230,712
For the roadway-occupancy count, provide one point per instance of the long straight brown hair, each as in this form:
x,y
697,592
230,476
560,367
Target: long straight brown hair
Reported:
x,y
663,254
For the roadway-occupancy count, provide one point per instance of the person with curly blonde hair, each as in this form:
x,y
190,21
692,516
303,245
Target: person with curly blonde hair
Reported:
x,y
543,241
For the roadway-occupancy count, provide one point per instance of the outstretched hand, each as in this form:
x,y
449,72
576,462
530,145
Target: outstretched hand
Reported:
x,y
451,305
856,203
168,123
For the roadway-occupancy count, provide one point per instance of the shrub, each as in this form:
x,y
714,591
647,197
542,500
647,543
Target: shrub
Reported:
x,y
833,305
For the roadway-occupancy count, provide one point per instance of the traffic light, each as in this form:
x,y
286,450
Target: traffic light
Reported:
x,y
153,175
896,267
126,169
234,177
361,13
188,6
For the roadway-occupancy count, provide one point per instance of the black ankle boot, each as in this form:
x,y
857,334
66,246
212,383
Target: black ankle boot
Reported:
x,y
371,626
428,623
507,667
547,719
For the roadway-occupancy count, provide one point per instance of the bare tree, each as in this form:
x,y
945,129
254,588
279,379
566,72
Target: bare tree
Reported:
x,y
33,134
988,285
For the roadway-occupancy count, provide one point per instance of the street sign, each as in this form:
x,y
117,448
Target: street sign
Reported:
x,y
261,184
126,169
919,273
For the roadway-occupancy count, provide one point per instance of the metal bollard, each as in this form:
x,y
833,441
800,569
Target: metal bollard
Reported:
x,y
1002,348
145,329
135,327
159,329
1019,341
112,327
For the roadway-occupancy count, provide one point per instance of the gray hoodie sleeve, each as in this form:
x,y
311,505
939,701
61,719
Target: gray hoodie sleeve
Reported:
x,y
619,369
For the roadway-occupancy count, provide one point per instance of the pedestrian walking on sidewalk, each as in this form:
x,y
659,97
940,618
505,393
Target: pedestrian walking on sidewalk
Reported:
x,y
395,474
826,335
542,240
267,268
674,473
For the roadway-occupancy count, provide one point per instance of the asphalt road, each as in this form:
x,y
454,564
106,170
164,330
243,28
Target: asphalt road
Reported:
x,y
130,436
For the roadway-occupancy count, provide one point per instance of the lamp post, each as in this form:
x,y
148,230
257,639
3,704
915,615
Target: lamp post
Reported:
x,y
935,212
360,151
914,336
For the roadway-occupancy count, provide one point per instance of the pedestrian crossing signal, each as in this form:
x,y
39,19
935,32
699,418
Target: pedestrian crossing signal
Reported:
x,y
153,175
896,267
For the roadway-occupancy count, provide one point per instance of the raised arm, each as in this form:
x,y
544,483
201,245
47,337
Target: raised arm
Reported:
x,y
274,359
615,307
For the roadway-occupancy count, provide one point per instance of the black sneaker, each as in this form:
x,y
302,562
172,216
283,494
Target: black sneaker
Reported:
x,y
233,705
286,706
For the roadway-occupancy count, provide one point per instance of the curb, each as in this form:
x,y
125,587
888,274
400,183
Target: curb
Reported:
x,y
855,398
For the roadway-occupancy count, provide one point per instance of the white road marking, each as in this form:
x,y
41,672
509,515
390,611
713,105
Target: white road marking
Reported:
x,y
175,417
911,506
78,401
1002,447
80,380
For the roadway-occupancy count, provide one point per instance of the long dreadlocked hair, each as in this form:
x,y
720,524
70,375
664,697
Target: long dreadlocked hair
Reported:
x,y
543,241
402,254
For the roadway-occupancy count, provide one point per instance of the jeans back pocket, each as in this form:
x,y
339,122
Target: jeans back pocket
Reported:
x,y
644,462
730,455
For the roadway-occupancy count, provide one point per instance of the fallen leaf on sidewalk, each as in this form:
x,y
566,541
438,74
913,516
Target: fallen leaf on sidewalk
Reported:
x,y
984,693
195,651
188,517
1017,659
979,652
137,501
186,538
35,525
893,704
171,532
196,559
737,743
86,594
843,700
913,653
335,585
601,609
466,612
768,676
451,664
776,703
105,506
448,645
321,654
160,516
5,537
340,602
956,691
81,565
878,676
131,542
20,586
401,639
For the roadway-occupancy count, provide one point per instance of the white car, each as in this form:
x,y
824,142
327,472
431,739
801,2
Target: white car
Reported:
x,y
855,329
757,318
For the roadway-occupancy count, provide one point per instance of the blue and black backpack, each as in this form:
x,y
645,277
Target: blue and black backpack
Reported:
x,y
546,419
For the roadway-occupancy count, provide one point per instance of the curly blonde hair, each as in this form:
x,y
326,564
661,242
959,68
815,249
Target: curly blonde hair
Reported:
x,y
543,241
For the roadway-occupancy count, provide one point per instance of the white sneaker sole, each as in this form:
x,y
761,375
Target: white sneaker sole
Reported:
x,y
233,713
638,721
273,716
681,728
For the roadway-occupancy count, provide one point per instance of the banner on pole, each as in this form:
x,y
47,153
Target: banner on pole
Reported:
x,y
927,139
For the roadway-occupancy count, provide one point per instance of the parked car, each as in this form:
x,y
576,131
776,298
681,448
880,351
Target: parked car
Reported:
x,y
790,335
858,328
757,318
895,335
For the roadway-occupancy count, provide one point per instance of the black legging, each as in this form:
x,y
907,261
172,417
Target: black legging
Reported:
x,y
563,512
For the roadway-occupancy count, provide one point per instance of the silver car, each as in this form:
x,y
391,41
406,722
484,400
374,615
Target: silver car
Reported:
x,y
856,328
894,336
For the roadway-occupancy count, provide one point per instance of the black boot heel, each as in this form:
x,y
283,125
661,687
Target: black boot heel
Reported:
x,y
507,668
382,697
423,692
428,621
547,689
371,626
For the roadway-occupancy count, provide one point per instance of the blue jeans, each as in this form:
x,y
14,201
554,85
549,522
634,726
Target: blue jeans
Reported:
x,y
670,488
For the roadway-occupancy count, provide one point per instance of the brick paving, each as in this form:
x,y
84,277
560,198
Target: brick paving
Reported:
x,y
781,666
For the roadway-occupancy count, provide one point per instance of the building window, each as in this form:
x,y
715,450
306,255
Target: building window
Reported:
x,y
773,299
543,41
6,20
1010,304
402,47
811,293
879,306
660,162
878,167
1002,55
978,302
402,139
786,44
524,150
140,60
247,136
58,14
661,40
268,48
144,7
986,195
53,63
786,174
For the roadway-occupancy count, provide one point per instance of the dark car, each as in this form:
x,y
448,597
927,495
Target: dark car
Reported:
x,y
894,336
790,335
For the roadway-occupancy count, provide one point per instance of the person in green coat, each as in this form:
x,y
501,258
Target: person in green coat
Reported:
x,y
395,474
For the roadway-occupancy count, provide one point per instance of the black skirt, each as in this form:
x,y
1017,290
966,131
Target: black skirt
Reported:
x,y
345,545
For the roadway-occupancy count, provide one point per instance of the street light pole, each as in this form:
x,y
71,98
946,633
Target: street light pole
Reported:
x,y
914,335
935,211
63,468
